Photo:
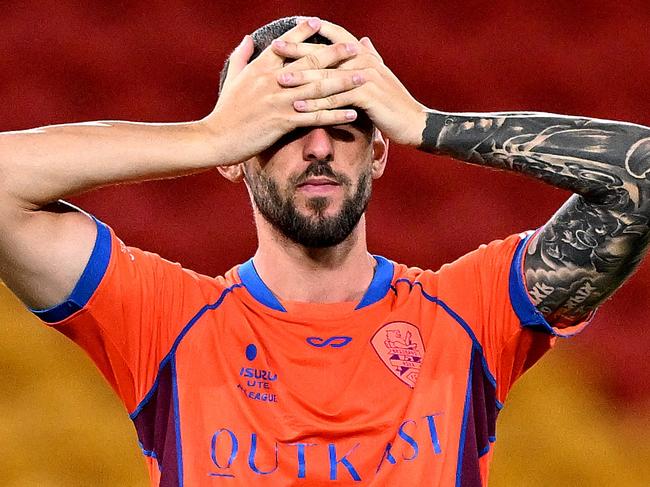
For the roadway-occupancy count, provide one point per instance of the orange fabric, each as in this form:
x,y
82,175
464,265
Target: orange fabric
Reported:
x,y
318,394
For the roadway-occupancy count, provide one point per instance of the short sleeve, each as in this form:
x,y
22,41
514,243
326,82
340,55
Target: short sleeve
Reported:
x,y
487,288
126,311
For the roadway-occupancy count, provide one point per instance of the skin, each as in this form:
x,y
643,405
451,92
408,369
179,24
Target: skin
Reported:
x,y
272,119
348,265
40,166
599,236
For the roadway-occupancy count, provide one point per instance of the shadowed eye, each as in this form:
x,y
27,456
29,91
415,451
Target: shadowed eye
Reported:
x,y
341,133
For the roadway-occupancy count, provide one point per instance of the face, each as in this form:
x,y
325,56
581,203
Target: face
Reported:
x,y
314,184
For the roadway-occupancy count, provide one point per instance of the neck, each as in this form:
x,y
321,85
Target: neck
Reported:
x,y
296,273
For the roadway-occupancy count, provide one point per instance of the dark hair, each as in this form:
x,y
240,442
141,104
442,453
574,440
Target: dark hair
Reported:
x,y
263,37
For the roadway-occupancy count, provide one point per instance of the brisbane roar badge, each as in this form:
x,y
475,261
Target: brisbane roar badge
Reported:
x,y
399,345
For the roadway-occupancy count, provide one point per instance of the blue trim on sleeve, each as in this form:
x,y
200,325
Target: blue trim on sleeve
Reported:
x,y
254,284
380,284
87,283
528,314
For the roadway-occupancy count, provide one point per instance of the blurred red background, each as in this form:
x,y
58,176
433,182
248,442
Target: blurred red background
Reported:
x,y
65,61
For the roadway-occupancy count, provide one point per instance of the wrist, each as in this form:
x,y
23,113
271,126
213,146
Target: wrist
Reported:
x,y
434,121
417,125
210,135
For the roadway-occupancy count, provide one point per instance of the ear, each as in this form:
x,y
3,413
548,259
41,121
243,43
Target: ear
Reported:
x,y
379,153
234,173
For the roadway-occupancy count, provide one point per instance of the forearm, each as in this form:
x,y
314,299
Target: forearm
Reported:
x,y
41,165
596,240
597,159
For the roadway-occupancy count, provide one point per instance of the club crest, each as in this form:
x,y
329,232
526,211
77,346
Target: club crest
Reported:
x,y
399,345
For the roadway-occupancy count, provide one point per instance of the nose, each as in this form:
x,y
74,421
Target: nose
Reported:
x,y
318,146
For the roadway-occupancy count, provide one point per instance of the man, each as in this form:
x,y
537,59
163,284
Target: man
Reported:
x,y
316,362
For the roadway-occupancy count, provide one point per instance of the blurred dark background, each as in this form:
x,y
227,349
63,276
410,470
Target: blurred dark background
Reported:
x,y
574,420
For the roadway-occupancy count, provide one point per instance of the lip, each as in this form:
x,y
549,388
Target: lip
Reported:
x,y
318,182
318,186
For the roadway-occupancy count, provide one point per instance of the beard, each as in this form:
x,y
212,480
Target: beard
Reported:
x,y
318,230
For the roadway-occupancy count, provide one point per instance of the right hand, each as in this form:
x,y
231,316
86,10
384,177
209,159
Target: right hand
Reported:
x,y
254,111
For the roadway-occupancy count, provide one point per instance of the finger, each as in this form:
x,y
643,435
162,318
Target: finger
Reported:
x,y
294,50
325,117
325,88
324,57
298,78
239,57
335,33
362,61
344,99
366,42
304,29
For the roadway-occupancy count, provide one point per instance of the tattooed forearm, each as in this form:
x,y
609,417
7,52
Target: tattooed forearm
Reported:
x,y
596,240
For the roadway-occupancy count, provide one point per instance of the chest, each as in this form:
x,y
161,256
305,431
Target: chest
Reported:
x,y
334,399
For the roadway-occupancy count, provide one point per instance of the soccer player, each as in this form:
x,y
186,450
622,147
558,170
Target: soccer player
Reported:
x,y
315,362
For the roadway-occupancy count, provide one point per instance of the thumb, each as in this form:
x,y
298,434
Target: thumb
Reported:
x,y
239,57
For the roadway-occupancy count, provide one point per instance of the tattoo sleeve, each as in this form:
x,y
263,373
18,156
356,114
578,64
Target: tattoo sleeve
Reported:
x,y
598,237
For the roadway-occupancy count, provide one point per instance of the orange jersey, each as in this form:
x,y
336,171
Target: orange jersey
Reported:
x,y
226,385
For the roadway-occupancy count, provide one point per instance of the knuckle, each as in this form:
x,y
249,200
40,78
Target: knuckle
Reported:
x,y
369,59
370,74
330,101
312,61
341,49
296,76
319,88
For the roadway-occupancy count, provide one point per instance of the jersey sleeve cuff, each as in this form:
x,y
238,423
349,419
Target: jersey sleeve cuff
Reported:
x,y
523,306
87,283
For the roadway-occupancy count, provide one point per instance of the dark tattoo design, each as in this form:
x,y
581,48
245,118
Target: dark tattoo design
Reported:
x,y
598,237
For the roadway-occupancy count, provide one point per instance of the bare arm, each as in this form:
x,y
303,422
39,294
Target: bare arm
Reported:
x,y
44,246
44,164
599,236
593,243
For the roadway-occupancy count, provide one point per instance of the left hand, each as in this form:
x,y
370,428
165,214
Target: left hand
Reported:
x,y
377,91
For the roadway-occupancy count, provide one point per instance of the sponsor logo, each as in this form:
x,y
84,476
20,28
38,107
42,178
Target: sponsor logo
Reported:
x,y
400,346
334,342
257,384
234,453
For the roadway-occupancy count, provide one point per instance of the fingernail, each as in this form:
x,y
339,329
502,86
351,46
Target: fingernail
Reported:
x,y
286,77
351,48
279,43
314,22
350,115
300,105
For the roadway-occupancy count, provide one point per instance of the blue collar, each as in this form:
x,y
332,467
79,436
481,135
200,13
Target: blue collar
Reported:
x,y
378,288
